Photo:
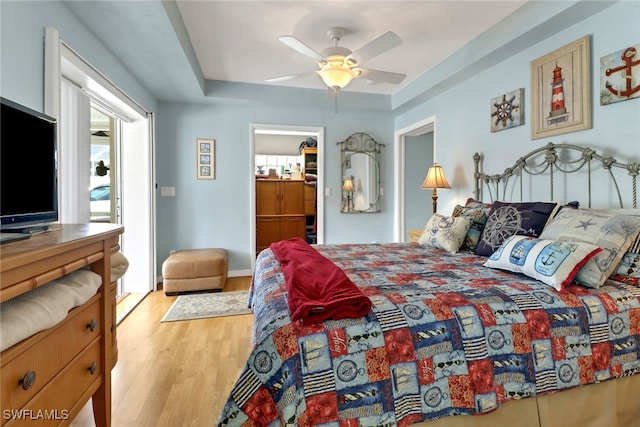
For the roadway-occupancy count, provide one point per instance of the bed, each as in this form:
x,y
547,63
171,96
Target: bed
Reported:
x,y
516,320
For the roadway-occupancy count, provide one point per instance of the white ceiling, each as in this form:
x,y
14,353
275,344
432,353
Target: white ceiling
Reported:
x,y
237,40
176,47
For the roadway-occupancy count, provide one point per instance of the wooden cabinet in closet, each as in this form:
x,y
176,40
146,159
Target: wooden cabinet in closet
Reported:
x,y
280,212
309,161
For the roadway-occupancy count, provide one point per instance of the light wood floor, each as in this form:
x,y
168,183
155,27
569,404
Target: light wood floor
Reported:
x,y
177,373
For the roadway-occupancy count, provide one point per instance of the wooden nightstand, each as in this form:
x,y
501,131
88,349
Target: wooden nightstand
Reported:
x,y
414,235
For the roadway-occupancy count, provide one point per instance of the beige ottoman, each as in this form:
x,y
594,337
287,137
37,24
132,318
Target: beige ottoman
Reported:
x,y
194,270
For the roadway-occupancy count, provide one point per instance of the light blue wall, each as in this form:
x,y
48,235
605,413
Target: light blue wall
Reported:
x,y
463,112
216,213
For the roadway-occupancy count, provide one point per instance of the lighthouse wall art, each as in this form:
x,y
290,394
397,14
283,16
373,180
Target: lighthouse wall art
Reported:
x,y
561,90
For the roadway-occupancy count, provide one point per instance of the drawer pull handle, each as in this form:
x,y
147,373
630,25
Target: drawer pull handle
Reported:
x,y
93,368
28,380
92,325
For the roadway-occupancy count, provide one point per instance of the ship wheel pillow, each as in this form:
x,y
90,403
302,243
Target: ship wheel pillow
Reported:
x,y
513,219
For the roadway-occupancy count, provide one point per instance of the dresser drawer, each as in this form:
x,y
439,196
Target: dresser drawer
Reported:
x,y
26,369
65,395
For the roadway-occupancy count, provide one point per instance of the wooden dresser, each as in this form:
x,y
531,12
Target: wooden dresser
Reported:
x,y
280,211
47,378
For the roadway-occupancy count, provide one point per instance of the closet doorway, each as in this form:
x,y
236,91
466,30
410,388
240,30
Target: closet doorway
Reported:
x,y
278,147
414,153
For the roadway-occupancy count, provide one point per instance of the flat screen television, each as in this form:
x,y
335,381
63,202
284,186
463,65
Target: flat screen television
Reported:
x,y
28,170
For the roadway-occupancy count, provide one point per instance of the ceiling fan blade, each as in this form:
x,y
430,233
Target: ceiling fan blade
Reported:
x,y
297,45
290,77
375,47
380,76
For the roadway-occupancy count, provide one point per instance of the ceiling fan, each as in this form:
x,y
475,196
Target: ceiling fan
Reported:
x,y
339,65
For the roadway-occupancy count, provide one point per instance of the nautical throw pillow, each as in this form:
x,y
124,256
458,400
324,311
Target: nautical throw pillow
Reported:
x,y
552,262
478,217
509,219
614,233
628,271
445,232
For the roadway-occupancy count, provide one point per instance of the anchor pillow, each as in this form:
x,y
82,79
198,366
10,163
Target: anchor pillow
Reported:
x,y
552,262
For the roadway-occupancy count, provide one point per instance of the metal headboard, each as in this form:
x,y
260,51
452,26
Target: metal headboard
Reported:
x,y
552,158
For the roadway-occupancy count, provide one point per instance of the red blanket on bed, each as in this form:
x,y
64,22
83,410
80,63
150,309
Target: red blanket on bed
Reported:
x,y
317,289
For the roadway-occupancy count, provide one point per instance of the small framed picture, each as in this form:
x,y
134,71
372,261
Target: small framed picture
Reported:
x,y
205,158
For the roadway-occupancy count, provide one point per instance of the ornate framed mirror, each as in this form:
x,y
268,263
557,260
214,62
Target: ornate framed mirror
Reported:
x,y
360,180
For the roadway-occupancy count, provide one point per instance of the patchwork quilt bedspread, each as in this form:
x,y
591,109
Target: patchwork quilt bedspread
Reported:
x,y
446,336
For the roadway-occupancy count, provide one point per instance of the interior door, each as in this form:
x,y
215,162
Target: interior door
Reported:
x,y
267,198
291,198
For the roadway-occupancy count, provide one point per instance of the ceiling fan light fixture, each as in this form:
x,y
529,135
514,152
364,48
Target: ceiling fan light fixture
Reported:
x,y
338,65
336,74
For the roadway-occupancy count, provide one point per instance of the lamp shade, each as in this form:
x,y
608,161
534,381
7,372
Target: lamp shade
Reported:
x,y
335,73
435,178
348,185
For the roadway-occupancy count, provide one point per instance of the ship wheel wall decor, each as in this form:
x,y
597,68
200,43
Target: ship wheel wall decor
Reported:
x,y
507,110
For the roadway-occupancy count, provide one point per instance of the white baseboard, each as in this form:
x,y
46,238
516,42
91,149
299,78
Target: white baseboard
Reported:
x,y
232,273
239,273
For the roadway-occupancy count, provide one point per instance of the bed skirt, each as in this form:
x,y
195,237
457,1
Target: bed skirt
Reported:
x,y
611,403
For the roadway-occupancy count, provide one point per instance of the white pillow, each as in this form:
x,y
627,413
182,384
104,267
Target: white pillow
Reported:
x,y
551,262
614,233
445,232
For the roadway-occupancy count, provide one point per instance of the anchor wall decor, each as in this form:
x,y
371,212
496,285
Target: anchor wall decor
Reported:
x,y
620,75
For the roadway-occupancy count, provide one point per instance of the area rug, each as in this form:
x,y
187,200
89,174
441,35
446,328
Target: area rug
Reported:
x,y
201,306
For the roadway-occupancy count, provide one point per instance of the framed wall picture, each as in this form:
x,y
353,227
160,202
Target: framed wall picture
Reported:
x,y
205,158
620,75
507,110
561,90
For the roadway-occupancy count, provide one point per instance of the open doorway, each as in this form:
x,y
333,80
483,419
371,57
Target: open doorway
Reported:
x,y
414,153
279,150
72,86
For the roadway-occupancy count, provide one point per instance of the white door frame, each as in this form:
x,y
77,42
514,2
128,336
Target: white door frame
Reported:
x,y
285,130
419,128
61,60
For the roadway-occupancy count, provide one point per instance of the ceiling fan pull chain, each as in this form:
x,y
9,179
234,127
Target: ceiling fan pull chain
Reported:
x,y
336,104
